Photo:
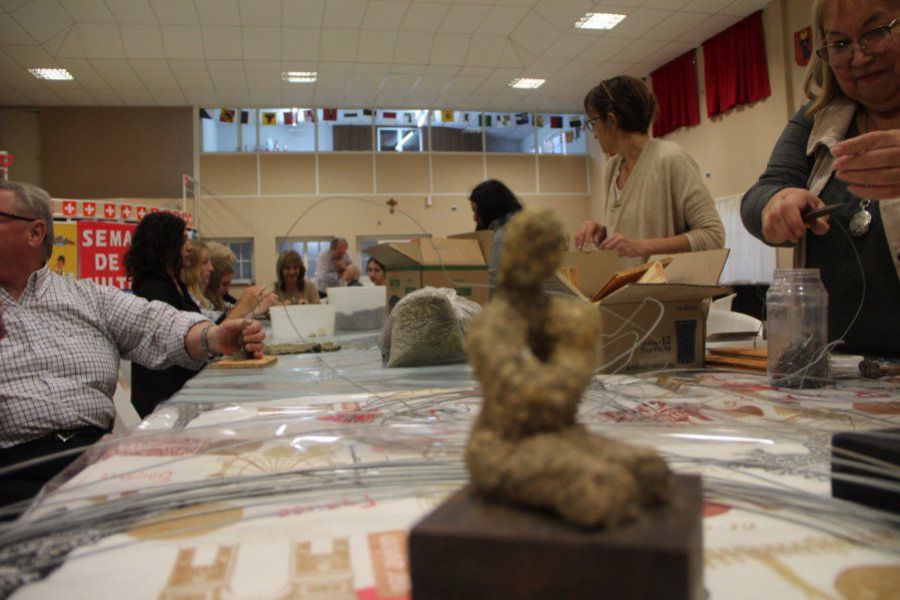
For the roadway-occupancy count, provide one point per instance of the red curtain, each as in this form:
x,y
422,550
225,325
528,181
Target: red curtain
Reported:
x,y
675,87
735,65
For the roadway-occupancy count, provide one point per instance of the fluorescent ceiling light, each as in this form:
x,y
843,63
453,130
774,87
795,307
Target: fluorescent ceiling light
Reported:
x,y
599,21
299,76
52,74
523,83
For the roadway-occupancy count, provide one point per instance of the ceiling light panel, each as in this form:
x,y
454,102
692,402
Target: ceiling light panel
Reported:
x,y
299,76
52,74
524,83
599,21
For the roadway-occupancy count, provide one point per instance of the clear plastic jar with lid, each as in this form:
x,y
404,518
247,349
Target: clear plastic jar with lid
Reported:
x,y
797,325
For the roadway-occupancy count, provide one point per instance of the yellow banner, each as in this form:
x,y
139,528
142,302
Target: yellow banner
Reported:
x,y
447,116
64,259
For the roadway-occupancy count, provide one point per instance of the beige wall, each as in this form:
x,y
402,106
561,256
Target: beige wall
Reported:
x,y
356,207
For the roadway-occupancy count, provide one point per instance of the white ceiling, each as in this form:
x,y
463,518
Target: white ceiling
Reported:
x,y
458,54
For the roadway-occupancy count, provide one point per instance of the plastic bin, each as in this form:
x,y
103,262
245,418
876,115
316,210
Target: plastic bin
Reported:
x,y
359,308
300,323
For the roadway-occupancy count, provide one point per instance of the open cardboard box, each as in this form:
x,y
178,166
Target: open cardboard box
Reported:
x,y
436,262
648,326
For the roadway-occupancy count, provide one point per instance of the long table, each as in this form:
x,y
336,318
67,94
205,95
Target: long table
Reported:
x,y
303,479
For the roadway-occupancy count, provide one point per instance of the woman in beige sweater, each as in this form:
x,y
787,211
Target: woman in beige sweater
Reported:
x,y
655,201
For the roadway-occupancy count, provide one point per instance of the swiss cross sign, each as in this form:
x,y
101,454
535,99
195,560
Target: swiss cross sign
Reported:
x,y
125,209
141,212
89,209
109,211
69,207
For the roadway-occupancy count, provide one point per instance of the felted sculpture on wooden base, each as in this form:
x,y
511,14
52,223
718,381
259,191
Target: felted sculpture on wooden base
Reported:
x,y
533,354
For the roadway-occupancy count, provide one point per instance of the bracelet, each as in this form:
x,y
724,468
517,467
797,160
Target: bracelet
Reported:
x,y
204,341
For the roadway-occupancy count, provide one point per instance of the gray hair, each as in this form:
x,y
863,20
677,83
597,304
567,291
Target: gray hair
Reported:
x,y
34,202
337,242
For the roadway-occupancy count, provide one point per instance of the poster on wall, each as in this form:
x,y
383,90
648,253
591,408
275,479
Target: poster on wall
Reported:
x,y
101,252
64,259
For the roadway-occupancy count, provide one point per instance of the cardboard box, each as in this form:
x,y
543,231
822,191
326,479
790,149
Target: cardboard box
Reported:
x,y
650,326
436,262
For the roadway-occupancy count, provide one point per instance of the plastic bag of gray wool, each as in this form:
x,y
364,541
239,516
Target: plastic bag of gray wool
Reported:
x,y
427,327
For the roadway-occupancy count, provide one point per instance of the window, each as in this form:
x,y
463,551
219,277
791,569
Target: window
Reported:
x,y
508,132
243,250
345,130
456,131
308,248
287,130
219,129
402,130
561,134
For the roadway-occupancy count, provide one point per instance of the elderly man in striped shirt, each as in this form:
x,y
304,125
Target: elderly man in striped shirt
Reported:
x,y
59,358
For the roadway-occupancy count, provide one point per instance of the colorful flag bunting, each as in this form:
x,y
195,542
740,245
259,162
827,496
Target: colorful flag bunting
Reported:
x,y
367,112
521,118
269,118
329,114
288,117
570,136
539,120
389,115
245,117
575,123
447,116
556,122
204,114
351,115
226,115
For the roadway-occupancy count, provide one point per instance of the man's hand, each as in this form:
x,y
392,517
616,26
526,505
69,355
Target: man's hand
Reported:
x,y
237,335
782,218
589,231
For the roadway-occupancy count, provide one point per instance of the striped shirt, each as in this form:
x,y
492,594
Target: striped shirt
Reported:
x,y
59,362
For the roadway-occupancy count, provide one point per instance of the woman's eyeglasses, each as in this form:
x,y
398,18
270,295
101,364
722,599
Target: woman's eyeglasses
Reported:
x,y
589,124
874,41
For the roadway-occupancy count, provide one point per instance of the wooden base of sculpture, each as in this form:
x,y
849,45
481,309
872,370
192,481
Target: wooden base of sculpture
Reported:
x,y
470,547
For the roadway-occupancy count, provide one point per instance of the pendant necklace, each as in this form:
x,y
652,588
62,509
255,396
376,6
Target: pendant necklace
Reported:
x,y
861,219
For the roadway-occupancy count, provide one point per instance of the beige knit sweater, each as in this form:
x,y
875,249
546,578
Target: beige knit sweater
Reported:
x,y
664,196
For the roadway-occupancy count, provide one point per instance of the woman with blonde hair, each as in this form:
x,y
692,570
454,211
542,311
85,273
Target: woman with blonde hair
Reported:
x,y
293,287
843,148
196,273
255,300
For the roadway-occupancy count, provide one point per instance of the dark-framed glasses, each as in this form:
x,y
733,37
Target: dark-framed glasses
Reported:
x,y
589,124
874,41
16,217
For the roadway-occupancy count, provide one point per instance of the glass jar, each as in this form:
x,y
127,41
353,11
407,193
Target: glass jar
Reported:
x,y
797,325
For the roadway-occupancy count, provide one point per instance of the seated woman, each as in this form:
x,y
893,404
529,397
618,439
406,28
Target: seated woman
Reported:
x,y
655,201
154,262
351,276
492,205
255,300
376,272
195,273
292,286
843,148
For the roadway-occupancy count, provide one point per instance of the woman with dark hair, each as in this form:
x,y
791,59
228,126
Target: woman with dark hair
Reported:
x,y
655,201
154,263
376,272
292,286
492,205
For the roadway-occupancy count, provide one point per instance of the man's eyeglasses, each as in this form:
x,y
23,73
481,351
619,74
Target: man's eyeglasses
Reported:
x,y
17,217
589,124
874,41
